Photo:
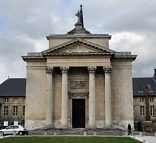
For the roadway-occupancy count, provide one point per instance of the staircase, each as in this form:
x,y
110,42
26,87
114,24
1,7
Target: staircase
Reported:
x,y
77,132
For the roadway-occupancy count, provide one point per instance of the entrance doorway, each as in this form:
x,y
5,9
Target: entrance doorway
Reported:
x,y
78,113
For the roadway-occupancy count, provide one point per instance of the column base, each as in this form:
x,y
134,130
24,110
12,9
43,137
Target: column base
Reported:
x,y
108,124
91,125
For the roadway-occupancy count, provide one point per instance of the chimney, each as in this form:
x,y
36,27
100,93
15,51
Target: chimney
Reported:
x,y
154,74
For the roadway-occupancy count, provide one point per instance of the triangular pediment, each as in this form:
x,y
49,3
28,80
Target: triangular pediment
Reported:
x,y
78,46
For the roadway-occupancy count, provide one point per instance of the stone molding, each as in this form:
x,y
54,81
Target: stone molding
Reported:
x,y
107,69
103,50
64,69
49,70
92,69
65,36
78,95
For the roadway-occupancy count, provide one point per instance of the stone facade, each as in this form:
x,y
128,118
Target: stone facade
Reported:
x,y
79,65
8,115
12,102
144,102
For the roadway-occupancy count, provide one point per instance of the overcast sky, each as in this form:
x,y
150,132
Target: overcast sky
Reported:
x,y
25,23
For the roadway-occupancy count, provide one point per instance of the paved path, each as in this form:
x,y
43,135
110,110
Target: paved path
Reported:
x,y
146,139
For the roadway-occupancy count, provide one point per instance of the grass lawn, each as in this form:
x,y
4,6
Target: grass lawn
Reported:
x,y
68,140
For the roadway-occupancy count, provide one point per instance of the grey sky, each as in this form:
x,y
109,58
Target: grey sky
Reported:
x,y
25,23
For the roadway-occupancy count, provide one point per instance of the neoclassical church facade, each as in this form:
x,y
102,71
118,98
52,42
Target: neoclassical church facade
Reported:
x,y
79,82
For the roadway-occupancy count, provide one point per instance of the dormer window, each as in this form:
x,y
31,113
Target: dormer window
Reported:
x,y
141,99
6,100
151,99
140,91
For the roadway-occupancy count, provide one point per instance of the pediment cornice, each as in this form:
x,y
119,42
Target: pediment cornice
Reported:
x,y
73,44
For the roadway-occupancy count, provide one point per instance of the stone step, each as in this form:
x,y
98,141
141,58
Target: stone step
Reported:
x,y
71,131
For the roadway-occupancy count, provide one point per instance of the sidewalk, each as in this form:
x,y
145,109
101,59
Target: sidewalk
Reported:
x,y
145,139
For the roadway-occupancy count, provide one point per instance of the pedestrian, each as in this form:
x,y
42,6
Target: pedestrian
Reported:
x,y
129,129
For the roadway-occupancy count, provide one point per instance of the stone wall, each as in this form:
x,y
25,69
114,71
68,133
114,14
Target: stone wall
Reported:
x,y
122,96
36,95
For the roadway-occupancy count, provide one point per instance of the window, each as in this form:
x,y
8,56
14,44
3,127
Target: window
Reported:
x,y
141,99
23,110
15,127
142,110
6,100
9,127
151,99
5,110
152,111
15,110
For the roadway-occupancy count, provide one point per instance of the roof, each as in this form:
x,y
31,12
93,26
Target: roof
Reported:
x,y
66,36
140,83
92,49
13,87
77,41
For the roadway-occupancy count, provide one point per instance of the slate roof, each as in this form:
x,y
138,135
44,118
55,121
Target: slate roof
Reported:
x,y
17,87
13,87
140,83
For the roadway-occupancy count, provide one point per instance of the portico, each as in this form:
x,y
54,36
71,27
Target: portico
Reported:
x,y
78,82
91,97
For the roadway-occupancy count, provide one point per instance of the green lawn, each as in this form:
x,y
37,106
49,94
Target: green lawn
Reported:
x,y
68,140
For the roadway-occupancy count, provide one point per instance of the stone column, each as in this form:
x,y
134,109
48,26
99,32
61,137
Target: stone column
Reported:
x,y
108,104
92,100
64,96
49,118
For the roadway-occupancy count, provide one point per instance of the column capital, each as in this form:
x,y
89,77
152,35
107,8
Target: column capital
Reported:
x,y
49,70
91,69
107,69
64,69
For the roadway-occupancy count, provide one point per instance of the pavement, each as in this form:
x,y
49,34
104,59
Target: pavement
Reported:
x,y
145,139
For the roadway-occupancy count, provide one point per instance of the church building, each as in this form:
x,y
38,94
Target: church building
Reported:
x,y
79,82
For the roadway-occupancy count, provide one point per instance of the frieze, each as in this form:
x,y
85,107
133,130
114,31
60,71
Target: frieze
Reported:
x,y
78,95
78,85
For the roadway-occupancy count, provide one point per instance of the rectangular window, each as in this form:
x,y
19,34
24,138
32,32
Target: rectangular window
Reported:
x,y
151,99
142,110
15,110
23,110
141,99
5,110
152,111
6,100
